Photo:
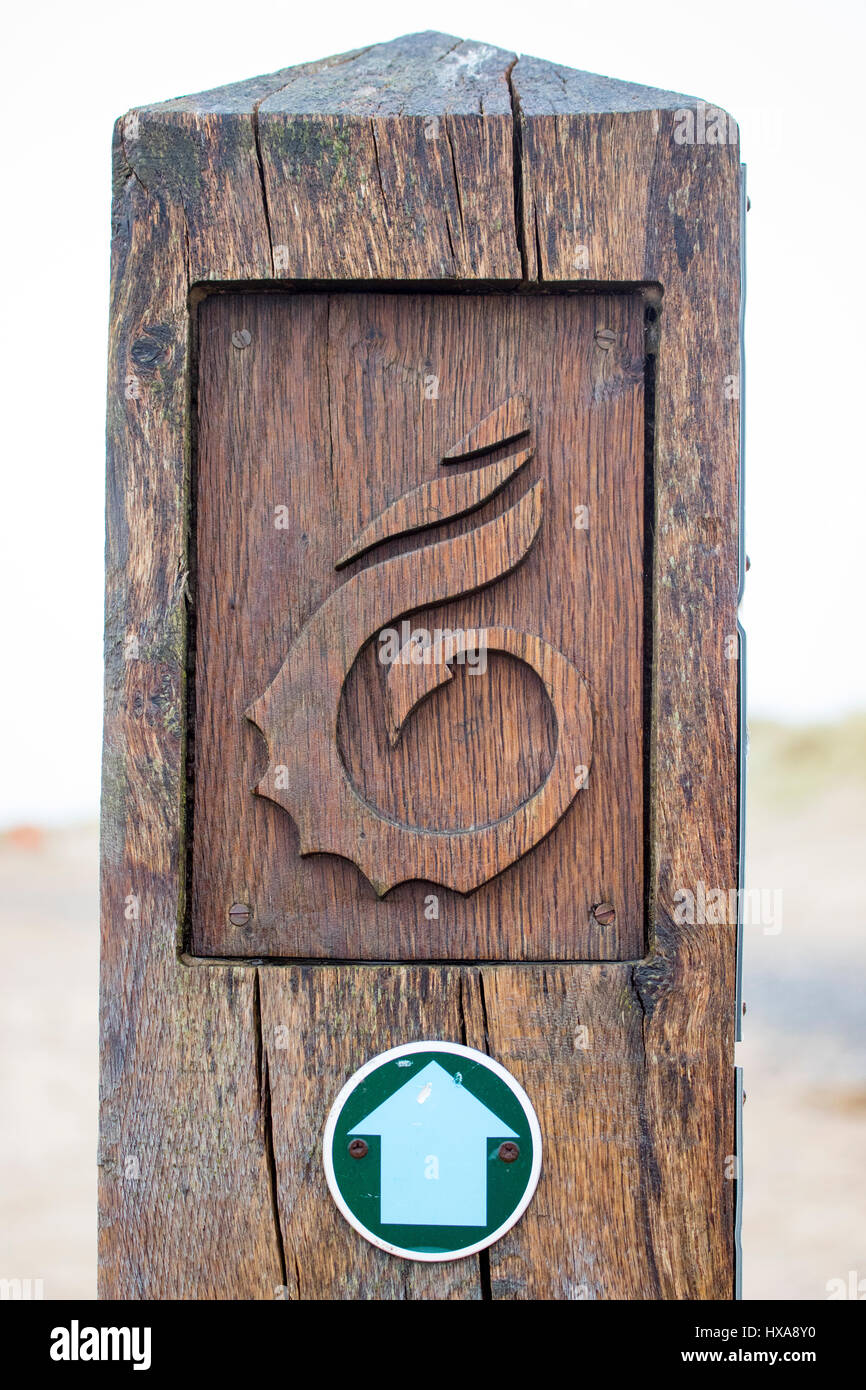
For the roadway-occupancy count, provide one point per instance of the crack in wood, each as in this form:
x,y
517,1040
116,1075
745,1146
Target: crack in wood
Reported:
x,y
263,1087
382,192
457,194
517,170
262,181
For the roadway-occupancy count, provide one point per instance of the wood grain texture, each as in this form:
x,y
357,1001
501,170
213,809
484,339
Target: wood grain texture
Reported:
x,y
572,1036
442,499
327,1022
508,421
396,164
222,1199
326,414
184,1197
648,208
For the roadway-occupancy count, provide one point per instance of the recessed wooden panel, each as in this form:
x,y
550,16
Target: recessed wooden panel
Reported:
x,y
426,463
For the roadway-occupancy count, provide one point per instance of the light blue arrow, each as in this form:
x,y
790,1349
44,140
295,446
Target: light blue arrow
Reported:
x,y
434,1151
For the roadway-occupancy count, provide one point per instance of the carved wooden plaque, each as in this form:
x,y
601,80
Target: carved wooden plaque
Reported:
x,y
419,656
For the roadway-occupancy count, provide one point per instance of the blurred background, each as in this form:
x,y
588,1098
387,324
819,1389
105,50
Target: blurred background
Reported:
x,y
794,85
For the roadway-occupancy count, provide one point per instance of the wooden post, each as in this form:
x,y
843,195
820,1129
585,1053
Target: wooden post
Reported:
x,y
425,346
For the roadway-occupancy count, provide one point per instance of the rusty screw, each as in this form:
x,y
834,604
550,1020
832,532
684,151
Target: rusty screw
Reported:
x,y
241,338
508,1152
239,914
359,1148
605,338
604,914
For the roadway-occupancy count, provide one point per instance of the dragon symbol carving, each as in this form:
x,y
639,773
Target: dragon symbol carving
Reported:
x,y
298,712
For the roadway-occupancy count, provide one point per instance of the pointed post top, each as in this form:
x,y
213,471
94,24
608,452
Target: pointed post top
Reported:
x,y
427,74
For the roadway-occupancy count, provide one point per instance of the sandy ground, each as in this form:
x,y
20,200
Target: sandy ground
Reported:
x,y
804,1034
804,1048
49,945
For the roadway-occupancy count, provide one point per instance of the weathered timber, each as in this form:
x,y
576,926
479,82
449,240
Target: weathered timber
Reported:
x,y
453,164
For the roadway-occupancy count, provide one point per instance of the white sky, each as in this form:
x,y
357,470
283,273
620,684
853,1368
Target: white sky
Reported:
x,y
791,73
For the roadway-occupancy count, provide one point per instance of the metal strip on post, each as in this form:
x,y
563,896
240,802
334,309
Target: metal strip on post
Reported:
x,y
743,733
743,751
738,1204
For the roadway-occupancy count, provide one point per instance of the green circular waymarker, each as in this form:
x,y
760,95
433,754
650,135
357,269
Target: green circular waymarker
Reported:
x,y
432,1151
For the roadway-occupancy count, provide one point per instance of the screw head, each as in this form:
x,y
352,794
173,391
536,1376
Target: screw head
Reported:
x,y
605,338
241,338
509,1152
239,914
359,1148
604,914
